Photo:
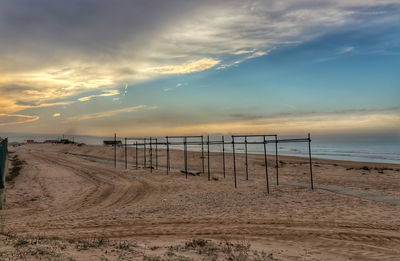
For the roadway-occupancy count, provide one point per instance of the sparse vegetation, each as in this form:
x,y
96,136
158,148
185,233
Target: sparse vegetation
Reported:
x,y
16,166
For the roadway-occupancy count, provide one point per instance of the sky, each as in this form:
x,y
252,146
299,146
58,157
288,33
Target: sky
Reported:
x,y
181,67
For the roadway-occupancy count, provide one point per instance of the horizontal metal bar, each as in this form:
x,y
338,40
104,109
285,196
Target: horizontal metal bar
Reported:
x,y
255,135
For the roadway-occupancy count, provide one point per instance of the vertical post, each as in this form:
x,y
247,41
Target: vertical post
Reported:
x,y
126,155
151,154
115,150
202,153
136,152
156,153
144,152
266,165
208,157
223,155
234,160
185,155
167,155
309,154
247,163
276,159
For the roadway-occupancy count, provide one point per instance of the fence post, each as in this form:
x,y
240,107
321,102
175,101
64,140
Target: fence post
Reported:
x,y
151,154
136,152
126,155
185,155
208,157
115,150
276,159
266,164
156,153
202,153
234,160
144,152
167,155
247,163
309,154
223,155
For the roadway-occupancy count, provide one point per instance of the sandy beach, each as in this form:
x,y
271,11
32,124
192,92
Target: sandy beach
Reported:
x,y
67,196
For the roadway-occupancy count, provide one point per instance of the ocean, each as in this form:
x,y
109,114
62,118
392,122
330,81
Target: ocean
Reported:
x,y
365,149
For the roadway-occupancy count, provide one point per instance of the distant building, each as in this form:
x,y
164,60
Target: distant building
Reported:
x,y
30,141
112,142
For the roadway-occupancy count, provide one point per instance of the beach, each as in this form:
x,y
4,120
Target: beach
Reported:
x,y
69,194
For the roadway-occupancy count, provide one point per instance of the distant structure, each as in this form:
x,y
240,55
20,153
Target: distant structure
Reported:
x,y
112,142
30,142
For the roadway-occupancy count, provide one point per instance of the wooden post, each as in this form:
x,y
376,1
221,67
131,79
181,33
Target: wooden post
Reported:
x,y
151,154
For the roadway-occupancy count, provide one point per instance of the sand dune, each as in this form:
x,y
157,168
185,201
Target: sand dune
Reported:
x,y
76,193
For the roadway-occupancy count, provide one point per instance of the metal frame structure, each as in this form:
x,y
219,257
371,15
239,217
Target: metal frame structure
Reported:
x,y
186,141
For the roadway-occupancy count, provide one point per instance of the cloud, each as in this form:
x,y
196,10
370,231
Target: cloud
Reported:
x,y
8,119
55,115
58,49
111,112
104,94
189,67
346,49
178,85
349,121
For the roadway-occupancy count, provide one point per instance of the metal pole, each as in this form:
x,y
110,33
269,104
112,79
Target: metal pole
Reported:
x,y
151,155
266,165
276,159
309,154
202,153
185,155
208,157
247,163
115,150
167,155
234,160
156,153
126,155
136,152
144,152
223,155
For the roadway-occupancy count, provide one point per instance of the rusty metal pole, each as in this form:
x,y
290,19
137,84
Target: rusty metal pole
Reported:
x,y
167,155
136,155
151,154
266,165
247,163
115,150
208,157
223,155
234,160
276,159
144,152
309,154
202,153
126,155
156,153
